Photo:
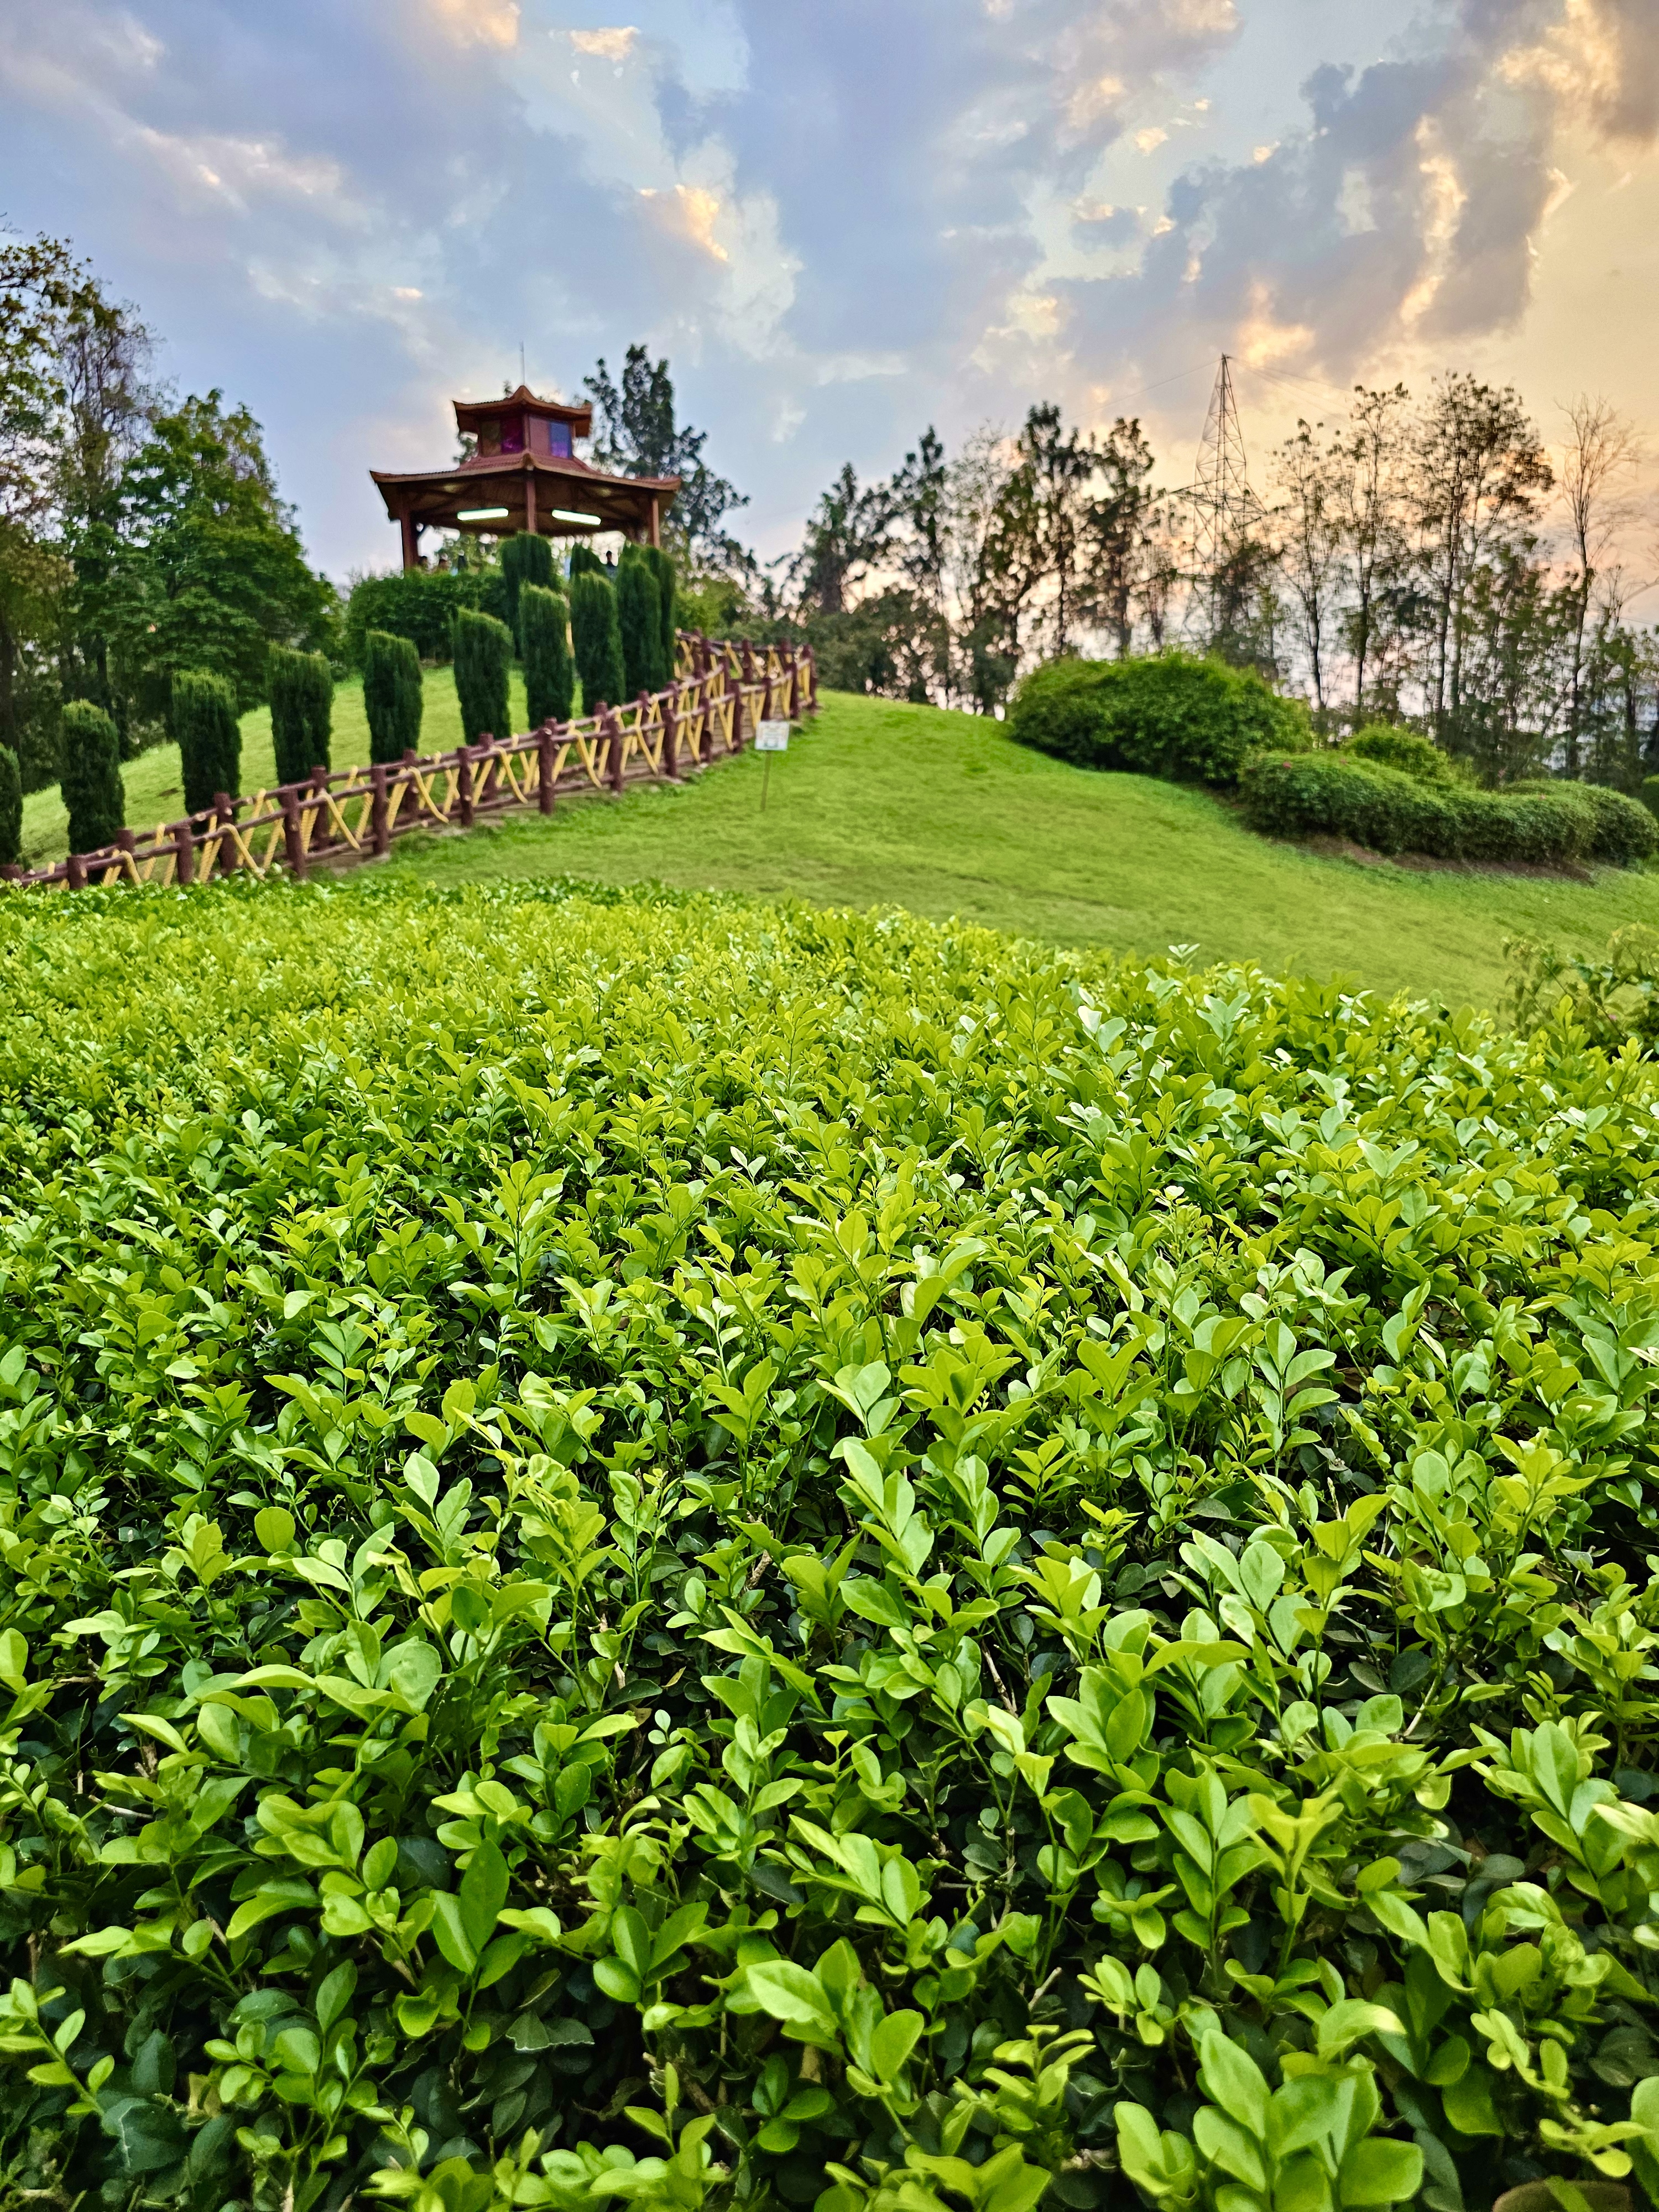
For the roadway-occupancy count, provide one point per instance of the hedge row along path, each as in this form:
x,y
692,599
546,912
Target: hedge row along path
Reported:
x,y
343,816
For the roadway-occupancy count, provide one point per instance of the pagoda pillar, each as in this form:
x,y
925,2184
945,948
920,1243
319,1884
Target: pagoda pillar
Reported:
x,y
411,548
654,525
530,500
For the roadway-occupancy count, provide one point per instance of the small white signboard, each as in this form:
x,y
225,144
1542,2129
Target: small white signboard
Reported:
x,y
771,736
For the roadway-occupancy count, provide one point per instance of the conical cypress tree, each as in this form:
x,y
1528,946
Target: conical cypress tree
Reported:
x,y
91,779
639,618
662,568
483,660
392,695
549,674
583,561
598,643
209,735
11,809
526,559
302,712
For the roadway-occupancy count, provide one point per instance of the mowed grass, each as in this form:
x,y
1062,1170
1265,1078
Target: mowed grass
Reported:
x,y
880,804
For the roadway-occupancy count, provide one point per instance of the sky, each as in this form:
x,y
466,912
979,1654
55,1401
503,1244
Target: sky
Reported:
x,y
842,220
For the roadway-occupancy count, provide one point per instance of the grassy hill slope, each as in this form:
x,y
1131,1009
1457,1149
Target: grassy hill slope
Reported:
x,y
883,804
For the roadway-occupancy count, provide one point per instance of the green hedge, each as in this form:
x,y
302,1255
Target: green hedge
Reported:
x,y
549,672
393,696
301,712
420,604
639,623
596,637
1170,714
526,558
1389,746
688,1552
91,781
209,737
1330,795
483,666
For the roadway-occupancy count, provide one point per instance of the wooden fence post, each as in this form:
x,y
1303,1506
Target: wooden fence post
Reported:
x,y
614,729
184,867
75,872
671,736
464,786
224,815
320,835
547,756
293,844
382,836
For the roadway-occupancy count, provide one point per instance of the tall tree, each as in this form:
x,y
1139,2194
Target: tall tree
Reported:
x,y
847,534
1310,548
1118,522
1368,489
637,434
1600,455
1479,470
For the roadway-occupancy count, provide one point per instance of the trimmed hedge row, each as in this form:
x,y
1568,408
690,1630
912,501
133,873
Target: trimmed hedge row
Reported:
x,y
1170,715
1332,794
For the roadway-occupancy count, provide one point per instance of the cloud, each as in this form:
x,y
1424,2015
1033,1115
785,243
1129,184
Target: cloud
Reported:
x,y
837,222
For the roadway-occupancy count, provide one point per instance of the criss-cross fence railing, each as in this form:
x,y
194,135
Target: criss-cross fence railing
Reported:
x,y
342,816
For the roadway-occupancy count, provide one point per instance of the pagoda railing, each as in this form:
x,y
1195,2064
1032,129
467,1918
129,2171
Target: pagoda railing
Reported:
x,y
340,817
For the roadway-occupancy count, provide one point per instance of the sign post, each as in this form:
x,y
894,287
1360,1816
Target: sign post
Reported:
x,y
770,738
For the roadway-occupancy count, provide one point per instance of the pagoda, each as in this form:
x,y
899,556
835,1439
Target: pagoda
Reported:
x,y
523,474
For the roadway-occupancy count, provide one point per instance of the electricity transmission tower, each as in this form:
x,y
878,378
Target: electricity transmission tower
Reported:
x,y
1222,500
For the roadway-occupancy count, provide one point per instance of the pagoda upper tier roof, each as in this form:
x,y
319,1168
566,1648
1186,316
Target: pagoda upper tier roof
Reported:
x,y
523,401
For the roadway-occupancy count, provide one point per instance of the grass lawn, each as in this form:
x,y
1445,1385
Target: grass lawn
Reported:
x,y
881,804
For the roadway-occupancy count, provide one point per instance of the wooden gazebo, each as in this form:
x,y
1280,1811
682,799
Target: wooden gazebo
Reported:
x,y
523,475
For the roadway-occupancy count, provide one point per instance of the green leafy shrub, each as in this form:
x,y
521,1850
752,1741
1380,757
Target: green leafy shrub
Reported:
x,y
208,737
549,673
11,808
639,623
1330,795
91,781
420,604
660,1548
1610,1001
301,712
526,558
1625,832
1170,715
483,666
1412,754
596,639
393,695
583,561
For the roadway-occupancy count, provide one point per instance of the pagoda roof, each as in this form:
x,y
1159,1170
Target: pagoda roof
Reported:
x,y
438,497
523,401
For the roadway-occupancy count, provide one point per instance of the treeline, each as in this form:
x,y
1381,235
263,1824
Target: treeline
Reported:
x,y
140,535
1426,561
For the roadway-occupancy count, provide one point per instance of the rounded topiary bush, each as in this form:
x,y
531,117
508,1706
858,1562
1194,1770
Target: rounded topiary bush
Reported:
x,y
1388,746
1625,832
1170,715
1334,795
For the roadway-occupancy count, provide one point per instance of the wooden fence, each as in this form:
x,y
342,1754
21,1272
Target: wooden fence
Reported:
x,y
344,816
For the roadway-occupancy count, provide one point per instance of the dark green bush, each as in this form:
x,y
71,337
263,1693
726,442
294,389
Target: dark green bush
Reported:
x,y
1649,793
1389,746
11,809
597,640
549,673
1625,832
1329,794
638,621
526,559
91,781
208,736
420,604
585,562
484,666
1170,714
302,712
392,699
662,568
